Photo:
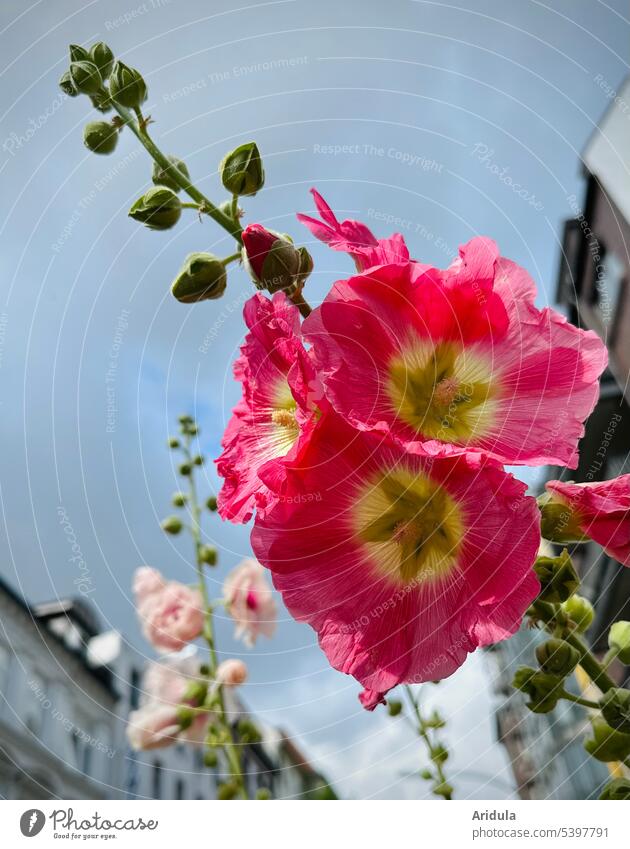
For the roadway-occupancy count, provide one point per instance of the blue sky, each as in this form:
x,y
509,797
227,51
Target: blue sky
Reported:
x,y
457,119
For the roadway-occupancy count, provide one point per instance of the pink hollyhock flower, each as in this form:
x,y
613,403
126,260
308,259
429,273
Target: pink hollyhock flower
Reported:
x,y
250,602
354,238
232,673
155,724
575,512
407,563
172,614
457,360
146,581
279,407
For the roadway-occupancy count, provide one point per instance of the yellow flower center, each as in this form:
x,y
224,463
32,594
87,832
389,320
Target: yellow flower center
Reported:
x,y
443,391
410,525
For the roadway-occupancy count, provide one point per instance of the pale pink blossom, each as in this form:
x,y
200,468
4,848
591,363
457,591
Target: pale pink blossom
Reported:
x,y
231,672
250,602
171,613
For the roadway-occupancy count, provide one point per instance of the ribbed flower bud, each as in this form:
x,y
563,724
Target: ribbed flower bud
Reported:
x,y
394,707
85,77
615,707
100,137
271,259
557,576
67,86
211,504
101,101
557,657
126,86
542,688
103,58
158,209
619,640
580,611
607,744
559,522
172,524
617,790
242,171
78,53
202,277
208,555
164,176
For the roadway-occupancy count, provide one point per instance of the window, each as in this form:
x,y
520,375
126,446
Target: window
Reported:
x,y
157,780
609,275
180,789
134,689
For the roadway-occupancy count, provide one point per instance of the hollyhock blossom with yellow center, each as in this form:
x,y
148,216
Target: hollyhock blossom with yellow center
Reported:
x,y
457,360
406,563
249,601
279,408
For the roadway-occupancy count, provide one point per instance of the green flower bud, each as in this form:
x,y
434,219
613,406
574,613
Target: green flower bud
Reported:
x,y
198,460
435,721
208,555
210,758
557,576
426,774
394,707
126,86
179,499
172,525
85,77
558,521
615,707
607,744
164,176
185,717
100,137
242,171
557,657
78,53
543,689
101,102
305,266
67,86
202,277
185,469
617,790
271,260
263,793
185,419
173,442
443,789
619,640
103,58
211,504
204,669
248,732
195,693
580,611
158,209
227,790
439,754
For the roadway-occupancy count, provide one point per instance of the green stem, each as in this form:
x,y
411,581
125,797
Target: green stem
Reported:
x,y
231,258
139,129
577,700
424,736
231,749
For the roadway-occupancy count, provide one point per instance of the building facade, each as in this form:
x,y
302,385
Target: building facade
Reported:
x,y
66,690
594,291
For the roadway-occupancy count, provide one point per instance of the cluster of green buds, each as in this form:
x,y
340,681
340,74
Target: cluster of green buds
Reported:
x,y
543,689
188,430
108,83
437,751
